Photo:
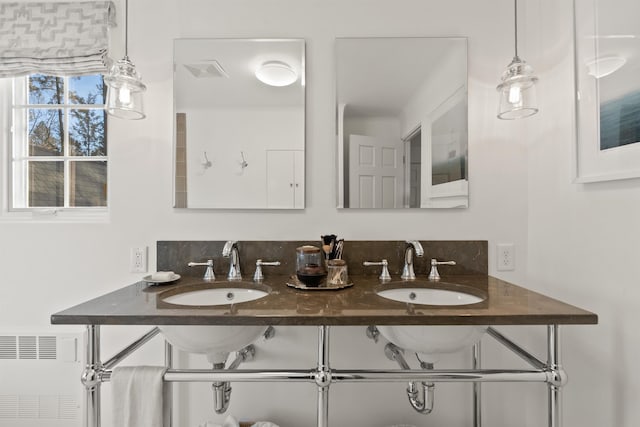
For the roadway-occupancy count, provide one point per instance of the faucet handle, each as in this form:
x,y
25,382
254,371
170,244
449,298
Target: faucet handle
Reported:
x,y
208,274
434,275
258,276
384,275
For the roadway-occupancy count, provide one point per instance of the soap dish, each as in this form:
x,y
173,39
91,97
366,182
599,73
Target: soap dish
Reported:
x,y
293,282
151,281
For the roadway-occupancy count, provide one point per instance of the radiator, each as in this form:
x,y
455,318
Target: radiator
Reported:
x,y
40,380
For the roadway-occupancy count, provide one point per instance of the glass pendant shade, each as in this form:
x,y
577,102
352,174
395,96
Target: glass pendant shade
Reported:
x,y
517,91
125,91
518,87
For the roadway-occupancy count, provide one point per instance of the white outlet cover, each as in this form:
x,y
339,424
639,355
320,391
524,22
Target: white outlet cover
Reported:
x,y
138,260
506,257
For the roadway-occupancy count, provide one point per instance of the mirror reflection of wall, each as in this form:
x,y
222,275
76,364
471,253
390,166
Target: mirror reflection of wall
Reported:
x,y
402,122
239,117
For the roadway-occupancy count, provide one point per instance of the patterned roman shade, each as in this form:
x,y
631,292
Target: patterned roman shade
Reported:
x,y
55,38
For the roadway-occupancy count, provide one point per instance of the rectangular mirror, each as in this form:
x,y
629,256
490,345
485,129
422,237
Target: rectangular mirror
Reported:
x,y
239,123
402,122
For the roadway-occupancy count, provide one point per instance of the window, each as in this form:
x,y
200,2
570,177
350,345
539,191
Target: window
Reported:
x,y
59,148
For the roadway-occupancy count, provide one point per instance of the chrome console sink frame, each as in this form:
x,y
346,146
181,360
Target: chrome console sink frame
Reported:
x,y
550,372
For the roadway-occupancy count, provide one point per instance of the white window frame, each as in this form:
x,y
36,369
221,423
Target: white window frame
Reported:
x,y
12,152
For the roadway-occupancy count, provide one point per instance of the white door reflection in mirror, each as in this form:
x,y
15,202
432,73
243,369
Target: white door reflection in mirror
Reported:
x,y
375,172
396,92
285,179
233,108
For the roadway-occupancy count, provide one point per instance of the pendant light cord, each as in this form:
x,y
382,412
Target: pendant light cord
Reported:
x,y
515,9
126,28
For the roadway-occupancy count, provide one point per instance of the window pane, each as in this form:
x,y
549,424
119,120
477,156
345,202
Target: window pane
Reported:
x,y
46,132
46,89
86,132
87,90
88,183
46,184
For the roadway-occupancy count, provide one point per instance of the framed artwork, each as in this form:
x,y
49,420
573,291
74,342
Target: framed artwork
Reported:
x,y
607,78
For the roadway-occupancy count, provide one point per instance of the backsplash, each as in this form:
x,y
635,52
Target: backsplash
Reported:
x,y
471,256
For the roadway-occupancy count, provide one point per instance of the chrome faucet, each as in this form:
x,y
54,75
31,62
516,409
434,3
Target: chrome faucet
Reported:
x,y
413,248
230,250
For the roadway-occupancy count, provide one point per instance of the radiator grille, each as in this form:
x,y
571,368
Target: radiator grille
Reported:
x,y
28,407
8,347
28,347
8,406
39,407
47,348
39,384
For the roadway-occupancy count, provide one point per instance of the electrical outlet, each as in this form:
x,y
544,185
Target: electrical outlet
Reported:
x,y
138,260
506,257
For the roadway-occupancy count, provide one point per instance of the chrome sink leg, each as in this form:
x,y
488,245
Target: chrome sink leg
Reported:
x,y
476,356
558,377
168,362
323,376
91,376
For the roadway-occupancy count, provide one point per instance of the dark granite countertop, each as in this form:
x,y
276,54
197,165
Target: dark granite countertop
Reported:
x,y
507,304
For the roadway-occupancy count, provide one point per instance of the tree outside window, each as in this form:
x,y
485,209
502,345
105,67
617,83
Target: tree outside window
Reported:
x,y
60,155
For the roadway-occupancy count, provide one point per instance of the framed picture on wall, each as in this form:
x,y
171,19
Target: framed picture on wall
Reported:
x,y
607,79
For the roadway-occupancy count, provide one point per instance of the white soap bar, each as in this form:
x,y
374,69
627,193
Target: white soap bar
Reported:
x,y
163,275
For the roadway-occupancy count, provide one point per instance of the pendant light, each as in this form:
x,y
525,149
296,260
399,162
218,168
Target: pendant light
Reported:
x,y
517,89
124,86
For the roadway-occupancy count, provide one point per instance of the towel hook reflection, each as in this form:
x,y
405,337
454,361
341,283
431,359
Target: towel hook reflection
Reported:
x,y
206,163
243,164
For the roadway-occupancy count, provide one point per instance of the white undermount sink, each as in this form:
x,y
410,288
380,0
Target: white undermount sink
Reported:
x,y
429,296
216,296
214,341
432,341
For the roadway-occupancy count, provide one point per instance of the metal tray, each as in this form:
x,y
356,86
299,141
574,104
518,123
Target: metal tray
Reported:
x,y
293,282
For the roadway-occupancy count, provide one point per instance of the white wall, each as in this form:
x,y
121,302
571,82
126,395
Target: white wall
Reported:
x,y
583,243
441,85
224,134
381,127
48,267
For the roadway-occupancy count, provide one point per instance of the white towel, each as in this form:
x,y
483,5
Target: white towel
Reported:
x,y
138,396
